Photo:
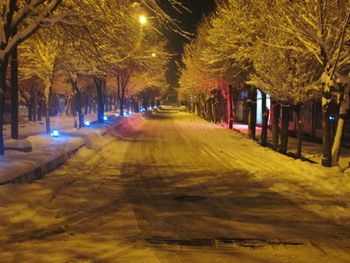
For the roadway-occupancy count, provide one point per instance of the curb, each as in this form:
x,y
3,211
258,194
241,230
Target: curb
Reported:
x,y
38,173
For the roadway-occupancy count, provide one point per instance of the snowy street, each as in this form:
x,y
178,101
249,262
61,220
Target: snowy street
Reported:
x,y
178,189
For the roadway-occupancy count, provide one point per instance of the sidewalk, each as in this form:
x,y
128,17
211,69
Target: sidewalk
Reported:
x,y
28,128
310,150
49,152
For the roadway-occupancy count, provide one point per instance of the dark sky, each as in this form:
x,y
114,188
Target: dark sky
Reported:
x,y
188,22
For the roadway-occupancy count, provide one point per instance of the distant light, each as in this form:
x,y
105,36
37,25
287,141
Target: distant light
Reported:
x,y
154,55
135,4
130,112
87,123
105,118
125,113
143,19
331,117
55,133
117,115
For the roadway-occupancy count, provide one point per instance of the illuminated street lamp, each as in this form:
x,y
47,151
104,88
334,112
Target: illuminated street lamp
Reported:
x,y
142,19
154,55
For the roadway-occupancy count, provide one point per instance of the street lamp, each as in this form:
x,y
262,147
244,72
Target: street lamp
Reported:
x,y
142,19
154,55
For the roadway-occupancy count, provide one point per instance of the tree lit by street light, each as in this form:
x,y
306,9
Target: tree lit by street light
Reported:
x,y
142,19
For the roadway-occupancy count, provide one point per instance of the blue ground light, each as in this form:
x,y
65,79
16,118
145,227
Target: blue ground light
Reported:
x,y
55,133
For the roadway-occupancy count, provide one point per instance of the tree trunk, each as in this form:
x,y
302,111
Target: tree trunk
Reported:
x,y
284,130
14,95
275,125
252,112
327,140
79,109
213,109
121,107
265,120
99,95
35,105
90,106
3,68
106,104
30,105
230,114
199,107
344,107
40,109
78,102
138,103
115,102
68,106
30,110
121,91
48,109
210,116
313,127
110,103
299,131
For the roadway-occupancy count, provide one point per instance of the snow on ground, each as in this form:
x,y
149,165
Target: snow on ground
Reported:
x,y
326,183
296,179
82,195
27,128
45,148
310,150
116,201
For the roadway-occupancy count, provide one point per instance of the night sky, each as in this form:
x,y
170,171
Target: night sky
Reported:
x,y
188,22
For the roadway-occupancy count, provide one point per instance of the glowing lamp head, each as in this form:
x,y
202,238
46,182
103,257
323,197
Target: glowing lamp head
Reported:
x,y
87,123
117,115
142,19
55,133
154,55
105,118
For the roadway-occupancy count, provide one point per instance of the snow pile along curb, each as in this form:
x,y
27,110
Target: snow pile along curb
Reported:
x,y
48,153
127,126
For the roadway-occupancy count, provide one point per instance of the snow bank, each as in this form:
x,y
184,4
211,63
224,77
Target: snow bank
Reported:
x,y
19,145
48,153
127,126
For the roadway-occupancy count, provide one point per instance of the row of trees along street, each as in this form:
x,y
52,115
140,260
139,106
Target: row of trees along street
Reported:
x,y
71,56
296,51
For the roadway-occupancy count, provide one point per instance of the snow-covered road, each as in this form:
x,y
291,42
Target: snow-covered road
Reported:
x,y
178,189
